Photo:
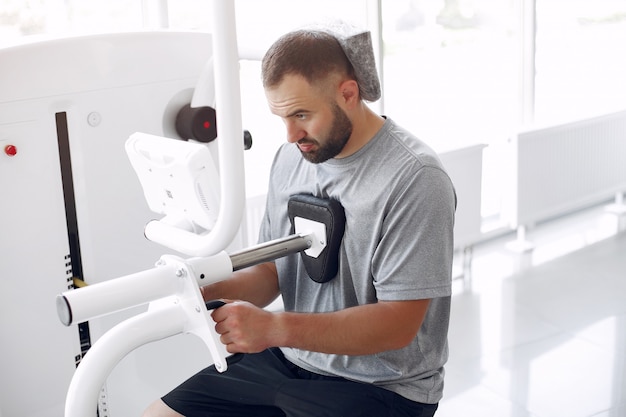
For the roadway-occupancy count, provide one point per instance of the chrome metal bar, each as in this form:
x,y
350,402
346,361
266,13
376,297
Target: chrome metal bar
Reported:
x,y
269,251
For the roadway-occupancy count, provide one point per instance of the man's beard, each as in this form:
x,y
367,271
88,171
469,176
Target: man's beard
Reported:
x,y
336,138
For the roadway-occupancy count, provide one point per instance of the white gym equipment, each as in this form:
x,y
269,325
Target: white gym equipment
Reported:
x,y
72,207
67,107
80,117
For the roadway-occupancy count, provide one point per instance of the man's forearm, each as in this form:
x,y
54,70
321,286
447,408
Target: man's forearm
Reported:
x,y
361,330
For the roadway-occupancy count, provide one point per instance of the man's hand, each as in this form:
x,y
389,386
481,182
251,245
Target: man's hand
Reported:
x,y
244,328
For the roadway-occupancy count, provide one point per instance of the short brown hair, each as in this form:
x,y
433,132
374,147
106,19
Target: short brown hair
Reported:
x,y
314,55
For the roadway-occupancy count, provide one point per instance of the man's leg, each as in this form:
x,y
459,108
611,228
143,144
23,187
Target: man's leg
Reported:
x,y
268,385
345,398
247,388
312,395
160,409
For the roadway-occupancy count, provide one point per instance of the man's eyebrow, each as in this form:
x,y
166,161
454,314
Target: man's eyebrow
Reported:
x,y
297,111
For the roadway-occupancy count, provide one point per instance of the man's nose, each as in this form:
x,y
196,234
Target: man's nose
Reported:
x,y
294,133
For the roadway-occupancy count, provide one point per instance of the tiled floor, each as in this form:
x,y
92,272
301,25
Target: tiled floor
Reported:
x,y
542,334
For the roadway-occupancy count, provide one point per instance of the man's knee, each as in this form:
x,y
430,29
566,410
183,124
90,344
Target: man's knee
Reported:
x,y
160,409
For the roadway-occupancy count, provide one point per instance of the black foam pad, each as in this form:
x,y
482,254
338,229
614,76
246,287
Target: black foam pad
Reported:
x,y
331,213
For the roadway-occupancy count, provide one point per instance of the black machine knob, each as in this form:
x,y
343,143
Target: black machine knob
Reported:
x,y
200,123
247,140
197,123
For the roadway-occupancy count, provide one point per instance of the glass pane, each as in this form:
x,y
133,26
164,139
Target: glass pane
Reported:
x,y
581,59
264,21
451,76
451,69
103,15
63,18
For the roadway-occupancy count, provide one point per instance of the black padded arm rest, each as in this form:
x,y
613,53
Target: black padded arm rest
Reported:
x,y
331,213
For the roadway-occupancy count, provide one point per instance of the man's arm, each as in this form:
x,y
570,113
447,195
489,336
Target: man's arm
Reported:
x,y
257,284
361,330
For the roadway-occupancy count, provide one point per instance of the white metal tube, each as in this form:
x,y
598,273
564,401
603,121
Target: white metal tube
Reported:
x,y
527,67
82,304
112,347
230,146
211,268
155,14
375,25
204,93
228,113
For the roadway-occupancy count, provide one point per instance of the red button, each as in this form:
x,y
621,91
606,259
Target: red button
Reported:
x,y
10,150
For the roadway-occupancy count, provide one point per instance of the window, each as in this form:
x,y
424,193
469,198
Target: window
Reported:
x,y
580,59
451,68
450,76
19,18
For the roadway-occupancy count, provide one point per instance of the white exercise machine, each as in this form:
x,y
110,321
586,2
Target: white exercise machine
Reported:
x,y
201,200
178,183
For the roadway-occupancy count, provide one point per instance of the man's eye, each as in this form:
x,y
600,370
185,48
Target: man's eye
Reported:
x,y
300,116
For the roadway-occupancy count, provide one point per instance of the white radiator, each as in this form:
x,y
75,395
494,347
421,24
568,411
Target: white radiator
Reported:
x,y
567,167
465,167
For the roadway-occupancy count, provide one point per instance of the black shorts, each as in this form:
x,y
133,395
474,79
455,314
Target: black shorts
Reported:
x,y
268,385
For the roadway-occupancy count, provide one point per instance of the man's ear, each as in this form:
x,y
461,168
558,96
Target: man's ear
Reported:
x,y
349,90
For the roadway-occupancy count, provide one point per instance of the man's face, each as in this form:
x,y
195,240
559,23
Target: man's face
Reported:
x,y
330,144
314,121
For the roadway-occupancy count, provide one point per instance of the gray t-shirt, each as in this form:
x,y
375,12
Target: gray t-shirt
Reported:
x,y
398,245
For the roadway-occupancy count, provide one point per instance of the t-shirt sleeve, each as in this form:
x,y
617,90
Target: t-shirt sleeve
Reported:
x,y
413,259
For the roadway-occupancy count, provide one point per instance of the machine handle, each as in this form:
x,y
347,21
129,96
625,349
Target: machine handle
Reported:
x,y
214,304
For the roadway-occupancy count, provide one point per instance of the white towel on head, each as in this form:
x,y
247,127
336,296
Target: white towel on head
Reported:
x,y
357,45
